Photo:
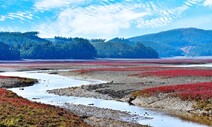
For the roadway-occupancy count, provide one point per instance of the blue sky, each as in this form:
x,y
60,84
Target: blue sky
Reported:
x,y
103,18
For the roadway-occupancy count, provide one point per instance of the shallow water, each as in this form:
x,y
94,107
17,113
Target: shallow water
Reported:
x,y
49,81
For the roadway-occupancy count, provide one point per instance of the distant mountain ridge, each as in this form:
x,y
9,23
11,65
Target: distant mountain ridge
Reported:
x,y
171,43
17,45
174,42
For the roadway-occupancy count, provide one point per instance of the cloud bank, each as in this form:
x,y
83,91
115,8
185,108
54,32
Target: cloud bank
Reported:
x,y
107,18
43,5
98,18
104,20
208,3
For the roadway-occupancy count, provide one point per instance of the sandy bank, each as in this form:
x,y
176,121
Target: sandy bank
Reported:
x,y
99,117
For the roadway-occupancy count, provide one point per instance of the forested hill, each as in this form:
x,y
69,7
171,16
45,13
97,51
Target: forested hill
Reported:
x,y
29,46
17,38
8,53
16,45
122,50
177,42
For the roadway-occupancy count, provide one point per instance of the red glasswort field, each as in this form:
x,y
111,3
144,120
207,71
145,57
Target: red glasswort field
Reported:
x,y
7,96
144,68
176,73
195,91
17,111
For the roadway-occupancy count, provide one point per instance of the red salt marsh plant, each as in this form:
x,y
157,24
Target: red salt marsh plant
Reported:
x,y
17,111
6,77
201,93
176,73
143,68
193,91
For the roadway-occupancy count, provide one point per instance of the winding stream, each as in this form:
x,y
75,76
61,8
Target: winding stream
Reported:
x,y
49,81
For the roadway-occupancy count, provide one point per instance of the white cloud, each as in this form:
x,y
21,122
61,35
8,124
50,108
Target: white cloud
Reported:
x,y
155,22
201,21
162,16
208,3
17,15
2,18
108,18
99,20
20,15
52,4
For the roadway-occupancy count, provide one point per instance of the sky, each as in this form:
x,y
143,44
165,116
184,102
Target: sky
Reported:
x,y
103,18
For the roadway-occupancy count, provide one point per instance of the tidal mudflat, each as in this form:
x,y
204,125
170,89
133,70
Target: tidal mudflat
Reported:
x,y
124,80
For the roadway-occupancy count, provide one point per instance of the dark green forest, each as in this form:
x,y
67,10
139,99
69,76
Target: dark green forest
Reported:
x,y
16,45
122,50
8,53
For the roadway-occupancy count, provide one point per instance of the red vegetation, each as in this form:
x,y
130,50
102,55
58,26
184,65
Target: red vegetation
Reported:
x,y
195,91
36,64
134,62
176,73
5,77
10,97
17,111
144,68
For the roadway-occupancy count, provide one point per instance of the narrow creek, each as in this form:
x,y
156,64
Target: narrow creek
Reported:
x,y
38,93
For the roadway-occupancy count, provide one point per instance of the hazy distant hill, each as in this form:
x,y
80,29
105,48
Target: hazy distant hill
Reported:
x,y
177,42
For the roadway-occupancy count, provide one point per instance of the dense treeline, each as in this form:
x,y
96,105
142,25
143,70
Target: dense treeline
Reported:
x,y
122,50
16,45
78,48
8,53
17,38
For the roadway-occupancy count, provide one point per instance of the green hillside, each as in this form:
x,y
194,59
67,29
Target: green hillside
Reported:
x,y
169,43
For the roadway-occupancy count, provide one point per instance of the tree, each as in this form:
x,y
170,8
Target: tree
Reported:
x,y
45,50
83,49
8,53
141,51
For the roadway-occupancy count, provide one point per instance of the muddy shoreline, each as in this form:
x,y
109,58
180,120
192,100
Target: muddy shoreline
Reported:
x,y
119,87
17,82
93,116
100,117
